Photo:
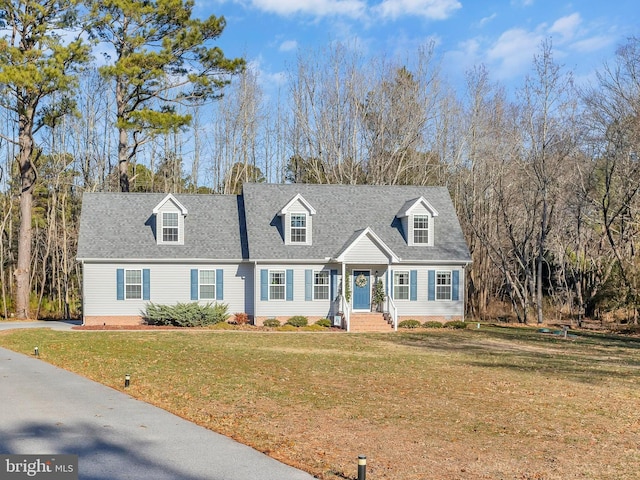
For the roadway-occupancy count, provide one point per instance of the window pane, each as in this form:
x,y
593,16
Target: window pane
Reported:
x,y
208,292
276,285
298,221
133,284
170,227
420,229
134,276
401,285
321,285
443,286
170,219
208,276
298,228
134,291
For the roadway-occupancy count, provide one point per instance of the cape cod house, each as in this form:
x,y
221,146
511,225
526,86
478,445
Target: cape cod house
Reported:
x,y
276,251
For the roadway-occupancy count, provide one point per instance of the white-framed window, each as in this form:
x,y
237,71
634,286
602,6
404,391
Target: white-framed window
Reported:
x,y
420,229
170,227
207,284
443,285
401,285
321,285
133,284
276,285
298,226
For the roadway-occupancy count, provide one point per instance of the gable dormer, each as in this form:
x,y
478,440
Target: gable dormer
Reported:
x,y
297,222
170,214
417,217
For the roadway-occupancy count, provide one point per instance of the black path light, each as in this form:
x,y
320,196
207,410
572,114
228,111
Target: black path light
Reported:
x,y
127,380
36,352
362,467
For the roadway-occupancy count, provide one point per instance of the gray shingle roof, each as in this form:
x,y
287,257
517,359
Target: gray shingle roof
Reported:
x,y
119,225
343,210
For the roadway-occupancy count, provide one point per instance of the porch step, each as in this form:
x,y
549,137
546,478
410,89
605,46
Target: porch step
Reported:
x,y
369,322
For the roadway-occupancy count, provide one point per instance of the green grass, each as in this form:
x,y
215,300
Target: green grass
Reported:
x,y
490,403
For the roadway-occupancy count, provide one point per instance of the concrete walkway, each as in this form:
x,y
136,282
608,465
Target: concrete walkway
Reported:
x,y
47,410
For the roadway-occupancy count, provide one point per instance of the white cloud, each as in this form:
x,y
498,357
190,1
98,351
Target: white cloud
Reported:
x,y
514,51
566,27
319,8
593,44
486,20
288,46
431,9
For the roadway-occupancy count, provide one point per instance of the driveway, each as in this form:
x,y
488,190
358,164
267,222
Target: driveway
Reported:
x,y
47,410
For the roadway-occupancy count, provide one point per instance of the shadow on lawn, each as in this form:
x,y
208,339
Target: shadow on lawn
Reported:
x,y
99,457
586,357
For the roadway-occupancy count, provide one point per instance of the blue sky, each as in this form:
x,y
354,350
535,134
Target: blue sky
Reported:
x,y
501,34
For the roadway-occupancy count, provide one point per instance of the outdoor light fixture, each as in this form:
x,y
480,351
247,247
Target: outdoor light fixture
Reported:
x,y
127,380
36,352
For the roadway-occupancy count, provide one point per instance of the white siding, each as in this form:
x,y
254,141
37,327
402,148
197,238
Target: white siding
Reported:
x,y
366,251
169,284
422,305
299,306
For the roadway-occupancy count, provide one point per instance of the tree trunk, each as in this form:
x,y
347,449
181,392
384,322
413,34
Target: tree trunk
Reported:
x,y
21,274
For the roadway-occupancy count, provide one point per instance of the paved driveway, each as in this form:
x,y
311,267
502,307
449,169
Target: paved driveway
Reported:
x,y
47,410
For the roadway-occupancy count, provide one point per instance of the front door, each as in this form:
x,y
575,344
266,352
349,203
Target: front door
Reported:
x,y
361,290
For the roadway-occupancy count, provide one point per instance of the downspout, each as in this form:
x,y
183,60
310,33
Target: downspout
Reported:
x,y
83,290
255,292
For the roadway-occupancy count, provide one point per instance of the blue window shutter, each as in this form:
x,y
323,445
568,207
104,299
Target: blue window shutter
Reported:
x,y
289,285
413,285
334,284
120,284
146,284
308,285
432,285
264,285
219,284
455,285
194,284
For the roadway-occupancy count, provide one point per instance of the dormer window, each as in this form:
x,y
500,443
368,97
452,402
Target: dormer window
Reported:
x,y
297,221
298,228
418,218
169,221
420,229
170,227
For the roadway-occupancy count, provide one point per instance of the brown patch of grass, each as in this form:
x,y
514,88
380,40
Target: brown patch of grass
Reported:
x,y
494,403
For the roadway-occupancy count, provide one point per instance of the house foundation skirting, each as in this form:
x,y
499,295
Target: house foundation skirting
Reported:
x,y
113,320
259,321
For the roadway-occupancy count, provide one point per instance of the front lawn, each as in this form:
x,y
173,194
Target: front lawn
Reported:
x,y
489,403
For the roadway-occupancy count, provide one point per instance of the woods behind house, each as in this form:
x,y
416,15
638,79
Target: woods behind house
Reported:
x,y
544,176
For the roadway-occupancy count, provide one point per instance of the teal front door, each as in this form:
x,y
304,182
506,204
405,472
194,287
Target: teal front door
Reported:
x,y
361,290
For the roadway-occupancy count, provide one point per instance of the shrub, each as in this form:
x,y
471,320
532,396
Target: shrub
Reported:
x,y
287,328
324,322
314,328
298,321
240,318
432,324
411,323
221,326
186,314
271,322
455,324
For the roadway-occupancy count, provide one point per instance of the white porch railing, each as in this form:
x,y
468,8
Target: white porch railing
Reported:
x,y
392,310
346,311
